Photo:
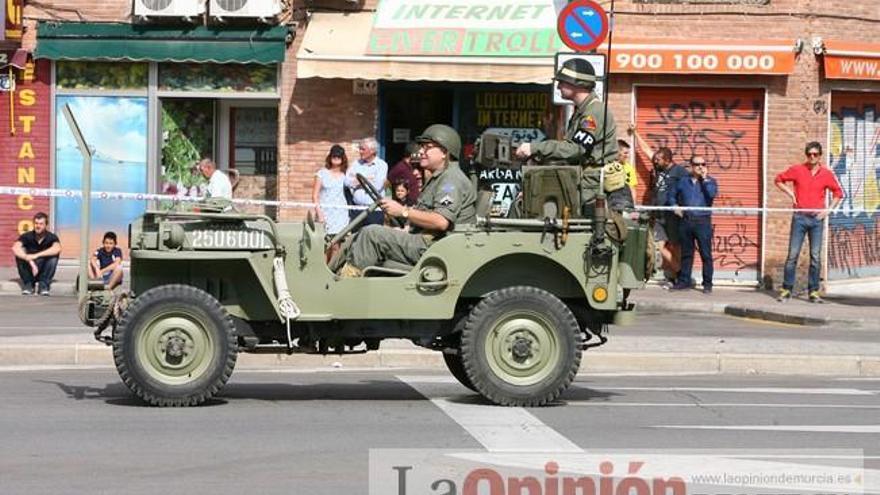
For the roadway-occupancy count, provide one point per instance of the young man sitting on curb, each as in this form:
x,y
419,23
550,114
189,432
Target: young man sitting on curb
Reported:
x,y
36,254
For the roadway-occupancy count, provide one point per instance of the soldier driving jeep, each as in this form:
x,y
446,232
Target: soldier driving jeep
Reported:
x,y
447,199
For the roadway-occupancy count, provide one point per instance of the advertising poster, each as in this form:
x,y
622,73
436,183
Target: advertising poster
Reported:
x,y
116,130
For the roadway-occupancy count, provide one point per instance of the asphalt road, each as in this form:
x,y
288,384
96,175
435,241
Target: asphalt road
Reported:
x,y
80,431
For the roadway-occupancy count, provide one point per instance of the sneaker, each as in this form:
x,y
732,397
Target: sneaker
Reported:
x,y
707,290
816,298
27,291
784,295
680,287
44,292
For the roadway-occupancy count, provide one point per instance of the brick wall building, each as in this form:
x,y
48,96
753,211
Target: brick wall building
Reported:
x,y
753,120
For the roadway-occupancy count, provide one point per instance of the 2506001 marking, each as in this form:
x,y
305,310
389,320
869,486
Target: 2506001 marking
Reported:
x,y
230,239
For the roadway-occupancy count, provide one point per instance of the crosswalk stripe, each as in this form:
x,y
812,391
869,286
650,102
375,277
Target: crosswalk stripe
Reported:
x,y
746,390
789,428
498,429
720,404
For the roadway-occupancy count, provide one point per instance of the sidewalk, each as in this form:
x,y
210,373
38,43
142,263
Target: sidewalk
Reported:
x,y
850,312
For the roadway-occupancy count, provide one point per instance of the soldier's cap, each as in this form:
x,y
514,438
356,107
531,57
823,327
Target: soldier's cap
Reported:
x,y
577,72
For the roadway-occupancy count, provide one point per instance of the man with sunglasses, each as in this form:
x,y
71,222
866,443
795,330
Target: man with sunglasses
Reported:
x,y
698,190
810,181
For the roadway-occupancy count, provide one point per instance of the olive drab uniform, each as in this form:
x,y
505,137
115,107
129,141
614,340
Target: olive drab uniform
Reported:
x,y
448,192
590,141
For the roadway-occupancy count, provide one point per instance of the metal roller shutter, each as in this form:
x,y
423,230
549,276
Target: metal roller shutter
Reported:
x,y
725,126
854,156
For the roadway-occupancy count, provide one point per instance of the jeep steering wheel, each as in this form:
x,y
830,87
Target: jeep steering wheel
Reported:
x,y
353,224
375,196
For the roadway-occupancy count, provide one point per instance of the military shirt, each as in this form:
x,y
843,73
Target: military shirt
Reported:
x,y
584,136
450,193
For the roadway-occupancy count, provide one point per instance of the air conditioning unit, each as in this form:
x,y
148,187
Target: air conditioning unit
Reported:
x,y
169,8
263,9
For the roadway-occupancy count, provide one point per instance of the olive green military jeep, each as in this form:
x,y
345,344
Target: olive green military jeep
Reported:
x,y
510,303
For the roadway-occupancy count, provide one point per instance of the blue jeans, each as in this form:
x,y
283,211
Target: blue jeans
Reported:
x,y
804,225
45,272
699,230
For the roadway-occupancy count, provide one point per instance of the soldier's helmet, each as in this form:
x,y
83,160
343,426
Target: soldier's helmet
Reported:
x,y
445,136
577,72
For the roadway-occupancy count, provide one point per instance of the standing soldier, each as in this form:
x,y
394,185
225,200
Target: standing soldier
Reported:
x,y
590,137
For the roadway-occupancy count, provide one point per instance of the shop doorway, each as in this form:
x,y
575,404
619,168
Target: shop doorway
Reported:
x,y
407,112
854,157
726,127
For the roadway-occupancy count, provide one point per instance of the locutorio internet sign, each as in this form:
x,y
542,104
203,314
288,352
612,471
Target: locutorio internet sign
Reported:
x,y
495,28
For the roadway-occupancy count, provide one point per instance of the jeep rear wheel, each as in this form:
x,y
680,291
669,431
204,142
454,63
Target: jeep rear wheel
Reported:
x,y
175,346
519,347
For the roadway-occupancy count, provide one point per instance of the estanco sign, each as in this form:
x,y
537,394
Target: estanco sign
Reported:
x,y
496,28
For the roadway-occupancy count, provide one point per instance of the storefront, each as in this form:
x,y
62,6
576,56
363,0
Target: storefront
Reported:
x,y
713,105
853,71
491,73
483,70
152,101
25,112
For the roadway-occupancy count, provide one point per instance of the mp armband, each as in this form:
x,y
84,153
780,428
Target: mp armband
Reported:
x,y
584,139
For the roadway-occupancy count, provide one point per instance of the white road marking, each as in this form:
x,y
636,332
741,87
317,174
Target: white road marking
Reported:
x,y
793,428
747,390
498,429
719,404
52,367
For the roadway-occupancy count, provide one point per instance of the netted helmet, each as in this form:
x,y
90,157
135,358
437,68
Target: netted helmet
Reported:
x,y
443,135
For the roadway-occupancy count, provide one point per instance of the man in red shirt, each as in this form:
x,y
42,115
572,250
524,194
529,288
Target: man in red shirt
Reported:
x,y
811,181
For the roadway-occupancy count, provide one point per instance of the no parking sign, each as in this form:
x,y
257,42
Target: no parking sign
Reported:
x,y
582,25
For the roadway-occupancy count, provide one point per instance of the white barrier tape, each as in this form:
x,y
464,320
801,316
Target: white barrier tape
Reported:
x,y
750,210
104,195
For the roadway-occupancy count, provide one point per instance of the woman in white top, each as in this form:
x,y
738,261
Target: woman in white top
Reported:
x,y
328,191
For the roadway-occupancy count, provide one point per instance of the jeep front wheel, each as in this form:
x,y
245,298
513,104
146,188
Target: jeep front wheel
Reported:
x,y
519,347
175,346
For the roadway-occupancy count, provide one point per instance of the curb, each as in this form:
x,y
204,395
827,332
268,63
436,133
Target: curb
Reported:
x,y
9,287
18,355
757,313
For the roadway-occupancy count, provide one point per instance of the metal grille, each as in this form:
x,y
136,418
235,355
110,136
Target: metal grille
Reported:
x,y
156,5
231,5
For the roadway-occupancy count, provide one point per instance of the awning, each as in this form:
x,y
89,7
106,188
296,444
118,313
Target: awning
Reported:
x,y
859,61
116,41
335,46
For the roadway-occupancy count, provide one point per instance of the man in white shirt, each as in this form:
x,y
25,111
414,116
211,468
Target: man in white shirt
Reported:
x,y
375,170
219,185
